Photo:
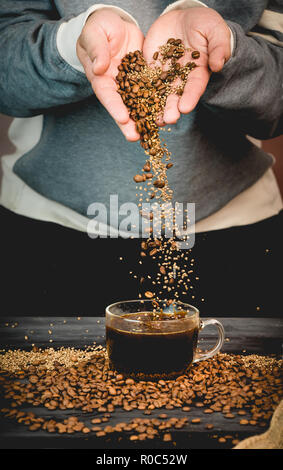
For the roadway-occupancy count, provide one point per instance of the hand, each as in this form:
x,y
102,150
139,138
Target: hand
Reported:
x,y
105,40
201,29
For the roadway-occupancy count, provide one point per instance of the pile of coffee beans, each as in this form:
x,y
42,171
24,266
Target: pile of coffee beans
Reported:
x,y
243,388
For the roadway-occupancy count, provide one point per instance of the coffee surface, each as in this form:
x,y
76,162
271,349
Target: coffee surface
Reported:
x,y
147,348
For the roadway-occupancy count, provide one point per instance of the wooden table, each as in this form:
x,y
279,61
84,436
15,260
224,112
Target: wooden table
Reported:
x,y
243,335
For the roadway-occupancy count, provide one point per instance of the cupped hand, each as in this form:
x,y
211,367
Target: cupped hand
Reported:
x,y
105,39
201,29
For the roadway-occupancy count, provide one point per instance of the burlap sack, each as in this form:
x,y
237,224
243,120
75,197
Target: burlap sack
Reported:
x,y
272,438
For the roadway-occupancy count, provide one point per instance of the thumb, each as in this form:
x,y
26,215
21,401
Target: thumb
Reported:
x,y
218,48
98,51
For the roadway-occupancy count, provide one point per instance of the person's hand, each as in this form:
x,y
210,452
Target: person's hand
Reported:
x,y
201,29
105,40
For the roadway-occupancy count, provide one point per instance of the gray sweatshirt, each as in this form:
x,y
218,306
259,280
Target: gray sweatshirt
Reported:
x,y
81,156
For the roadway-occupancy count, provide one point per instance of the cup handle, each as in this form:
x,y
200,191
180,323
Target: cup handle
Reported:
x,y
200,356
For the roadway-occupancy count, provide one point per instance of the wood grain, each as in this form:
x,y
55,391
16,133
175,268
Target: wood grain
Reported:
x,y
251,335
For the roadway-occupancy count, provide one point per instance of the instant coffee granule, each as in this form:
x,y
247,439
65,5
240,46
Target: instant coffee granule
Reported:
x,y
244,388
144,90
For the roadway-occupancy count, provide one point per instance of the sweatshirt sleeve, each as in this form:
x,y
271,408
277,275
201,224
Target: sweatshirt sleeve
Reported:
x,y
33,75
249,89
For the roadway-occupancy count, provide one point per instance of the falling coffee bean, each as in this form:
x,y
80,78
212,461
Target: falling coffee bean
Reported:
x,y
149,295
138,178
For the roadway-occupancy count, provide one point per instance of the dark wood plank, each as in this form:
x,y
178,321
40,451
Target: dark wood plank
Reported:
x,y
252,335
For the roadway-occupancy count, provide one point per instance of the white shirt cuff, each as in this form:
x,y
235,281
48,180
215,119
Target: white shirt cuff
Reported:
x,y
69,32
184,4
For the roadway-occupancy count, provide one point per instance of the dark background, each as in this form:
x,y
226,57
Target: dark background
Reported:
x,y
47,269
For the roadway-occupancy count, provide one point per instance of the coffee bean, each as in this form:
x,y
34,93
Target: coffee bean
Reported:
x,y
149,295
155,55
162,91
144,246
163,76
138,178
209,426
33,379
146,167
159,184
139,127
170,52
195,54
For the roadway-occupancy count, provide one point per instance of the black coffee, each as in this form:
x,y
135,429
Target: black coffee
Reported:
x,y
149,351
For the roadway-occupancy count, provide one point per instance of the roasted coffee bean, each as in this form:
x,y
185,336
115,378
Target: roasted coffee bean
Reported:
x,y
169,165
149,295
138,178
170,52
163,76
195,54
162,270
159,184
155,55
144,246
139,127
209,426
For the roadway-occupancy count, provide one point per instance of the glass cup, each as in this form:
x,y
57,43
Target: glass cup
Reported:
x,y
140,347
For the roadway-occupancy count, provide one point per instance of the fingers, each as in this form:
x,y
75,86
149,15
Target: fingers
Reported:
x,y
171,111
194,89
160,121
105,90
216,59
100,55
219,50
94,42
129,131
